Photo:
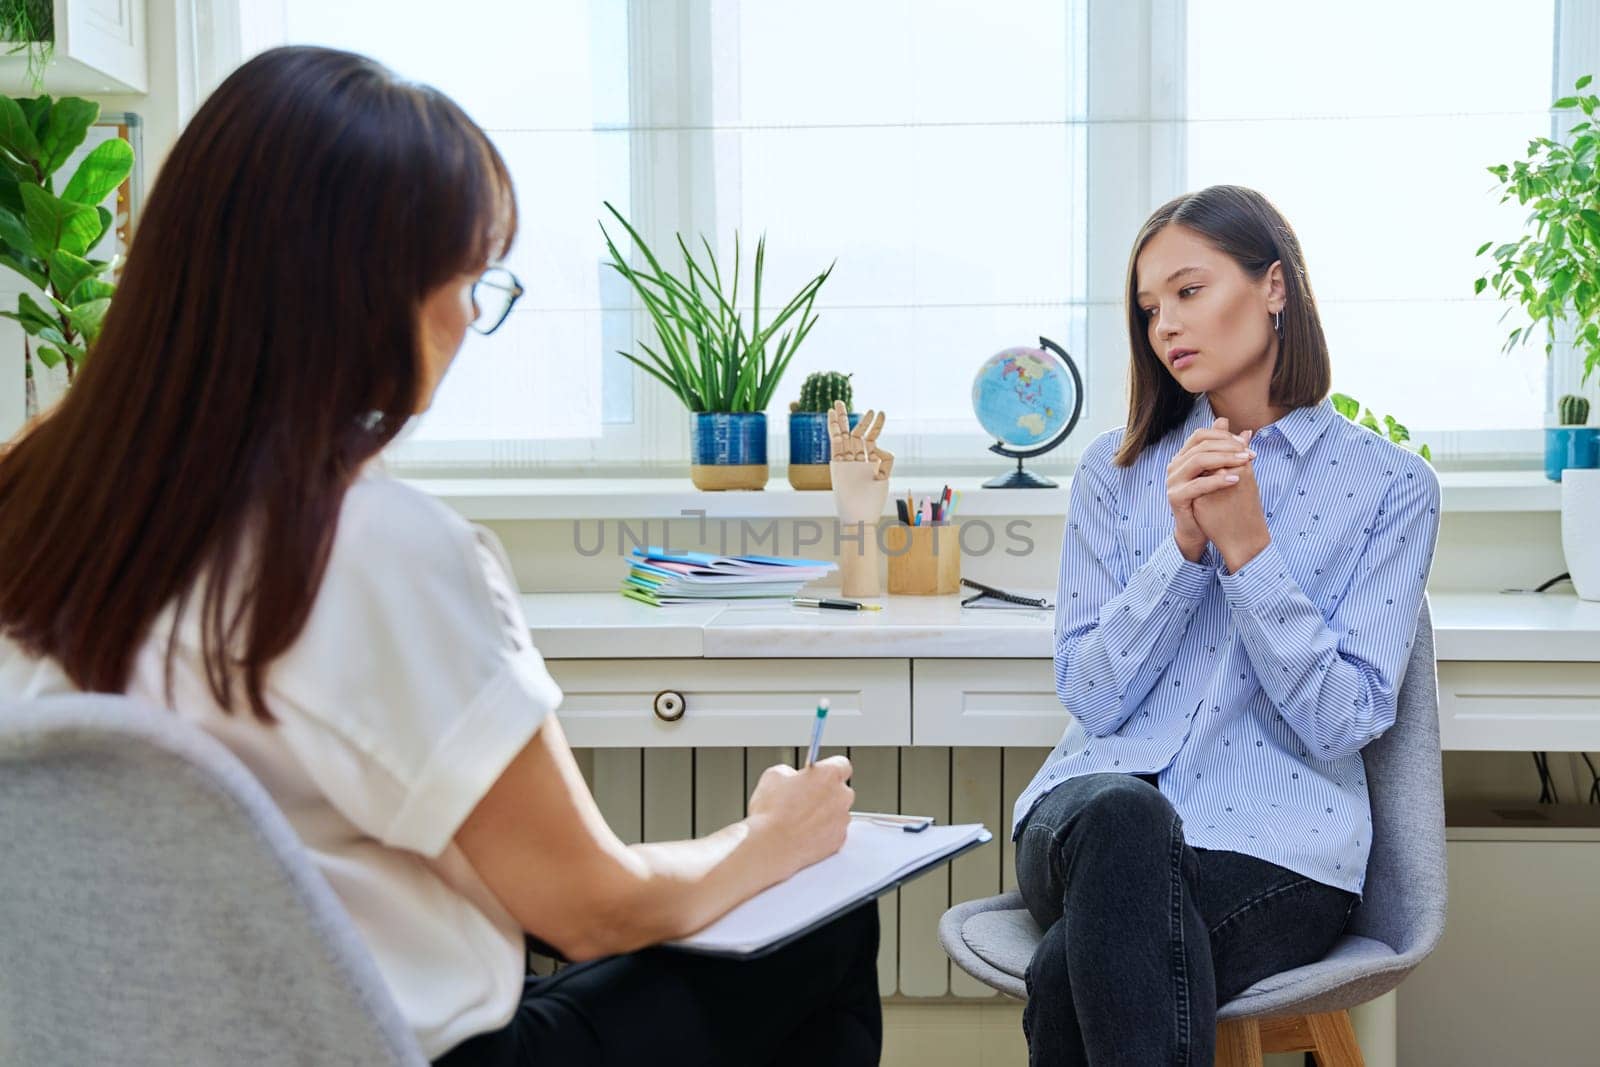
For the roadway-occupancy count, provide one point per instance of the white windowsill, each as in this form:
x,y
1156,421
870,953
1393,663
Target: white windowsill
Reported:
x,y
482,499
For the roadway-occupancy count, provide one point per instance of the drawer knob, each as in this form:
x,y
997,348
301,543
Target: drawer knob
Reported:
x,y
669,705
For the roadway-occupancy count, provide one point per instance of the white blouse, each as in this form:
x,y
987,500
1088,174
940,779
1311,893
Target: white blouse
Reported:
x,y
411,688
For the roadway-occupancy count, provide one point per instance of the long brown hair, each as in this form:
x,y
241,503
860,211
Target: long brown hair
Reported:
x,y
262,346
1242,224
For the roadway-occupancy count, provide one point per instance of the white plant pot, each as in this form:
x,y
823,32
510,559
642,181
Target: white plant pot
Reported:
x,y
1580,529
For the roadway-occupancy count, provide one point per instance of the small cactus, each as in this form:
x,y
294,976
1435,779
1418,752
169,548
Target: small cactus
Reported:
x,y
821,389
1574,410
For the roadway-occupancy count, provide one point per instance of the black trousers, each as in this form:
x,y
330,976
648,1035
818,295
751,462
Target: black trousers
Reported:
x,y
1145,935
812,1002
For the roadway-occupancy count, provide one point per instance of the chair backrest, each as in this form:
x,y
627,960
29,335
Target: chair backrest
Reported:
x,y
155,907
1403,904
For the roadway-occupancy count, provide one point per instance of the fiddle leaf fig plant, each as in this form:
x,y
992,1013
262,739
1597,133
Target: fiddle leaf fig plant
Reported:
x,y
48,236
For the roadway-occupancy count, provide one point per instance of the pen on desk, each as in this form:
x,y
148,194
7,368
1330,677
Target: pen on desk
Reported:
x,y
816,730
837,605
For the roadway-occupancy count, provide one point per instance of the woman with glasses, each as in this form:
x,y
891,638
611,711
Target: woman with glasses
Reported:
x,y
199,524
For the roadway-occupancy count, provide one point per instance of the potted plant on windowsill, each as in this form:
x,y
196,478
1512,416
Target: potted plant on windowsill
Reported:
x,y
48,238
723,373
1571,445
809,449
1553,271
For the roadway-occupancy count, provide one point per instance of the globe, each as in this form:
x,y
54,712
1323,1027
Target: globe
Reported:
x,y
1028,399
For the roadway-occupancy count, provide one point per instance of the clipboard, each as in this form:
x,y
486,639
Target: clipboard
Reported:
x,y
840,908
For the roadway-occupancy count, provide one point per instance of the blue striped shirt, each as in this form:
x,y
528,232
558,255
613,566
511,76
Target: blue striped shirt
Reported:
x,y
1248,694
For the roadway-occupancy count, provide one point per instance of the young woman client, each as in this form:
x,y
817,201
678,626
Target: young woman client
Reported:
x,y
1240,581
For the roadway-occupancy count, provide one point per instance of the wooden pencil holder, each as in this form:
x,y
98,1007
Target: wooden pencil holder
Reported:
x,y
923,560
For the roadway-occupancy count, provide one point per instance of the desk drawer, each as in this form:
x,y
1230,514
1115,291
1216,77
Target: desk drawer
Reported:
x,y
1514,706
986,702
610,703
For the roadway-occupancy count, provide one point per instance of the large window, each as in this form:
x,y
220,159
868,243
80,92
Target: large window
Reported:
x,y
977,172
936,157
941,158
1370,123
549,82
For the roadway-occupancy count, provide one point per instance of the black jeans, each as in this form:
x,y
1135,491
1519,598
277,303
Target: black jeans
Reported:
x,y
1144,935
813,1002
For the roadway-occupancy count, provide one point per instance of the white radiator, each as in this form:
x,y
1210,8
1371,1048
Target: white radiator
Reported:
x,y
665,794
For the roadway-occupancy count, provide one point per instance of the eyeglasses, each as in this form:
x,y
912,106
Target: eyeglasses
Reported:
x,y
494,295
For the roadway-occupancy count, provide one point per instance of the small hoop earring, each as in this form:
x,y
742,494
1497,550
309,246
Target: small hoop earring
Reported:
x,y
1277,323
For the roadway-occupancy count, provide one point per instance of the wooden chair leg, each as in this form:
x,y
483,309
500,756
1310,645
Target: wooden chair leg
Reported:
x,y
1239,1043
1334,1040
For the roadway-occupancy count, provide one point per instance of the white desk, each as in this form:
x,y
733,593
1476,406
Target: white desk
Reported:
x,y
1516,672
950,712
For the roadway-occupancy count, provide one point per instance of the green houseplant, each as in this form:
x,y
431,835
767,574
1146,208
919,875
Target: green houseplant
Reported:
x,y
723,370
49,238
1390,427
29,26
809,448
1570,444
1553,272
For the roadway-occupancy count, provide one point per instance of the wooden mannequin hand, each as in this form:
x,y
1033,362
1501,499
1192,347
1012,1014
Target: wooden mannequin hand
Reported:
x,y
858,467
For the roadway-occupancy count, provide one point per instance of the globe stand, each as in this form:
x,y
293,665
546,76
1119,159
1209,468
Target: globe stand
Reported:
x,y
1020,479
1025,479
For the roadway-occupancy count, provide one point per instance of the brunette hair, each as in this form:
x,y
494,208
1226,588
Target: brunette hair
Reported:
x,y
262,346
1242,224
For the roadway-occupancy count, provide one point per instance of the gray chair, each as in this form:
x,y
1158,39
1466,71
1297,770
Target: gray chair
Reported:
x,y
1398,922
155,907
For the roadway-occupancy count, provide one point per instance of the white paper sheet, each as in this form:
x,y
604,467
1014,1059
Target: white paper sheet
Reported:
x,y
873,857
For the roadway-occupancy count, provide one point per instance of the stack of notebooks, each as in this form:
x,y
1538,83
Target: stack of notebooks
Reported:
x,y
658,577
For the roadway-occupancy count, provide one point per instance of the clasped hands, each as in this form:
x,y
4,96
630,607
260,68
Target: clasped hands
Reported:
x,y
1211,488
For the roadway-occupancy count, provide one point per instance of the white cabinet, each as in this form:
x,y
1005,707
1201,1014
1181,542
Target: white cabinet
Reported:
x,y
986,702
1503,705
1513,981
99,49
701,702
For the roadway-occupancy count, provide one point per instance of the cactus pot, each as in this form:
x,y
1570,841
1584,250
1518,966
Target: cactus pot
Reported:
x,y
728,450
809,452
1570,448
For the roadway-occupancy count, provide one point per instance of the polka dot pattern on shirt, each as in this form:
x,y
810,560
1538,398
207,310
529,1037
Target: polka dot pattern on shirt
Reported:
x,y
1265,646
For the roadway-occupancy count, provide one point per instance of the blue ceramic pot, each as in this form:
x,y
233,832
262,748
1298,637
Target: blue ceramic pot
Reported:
x,y
728,450
808,436
1570,448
